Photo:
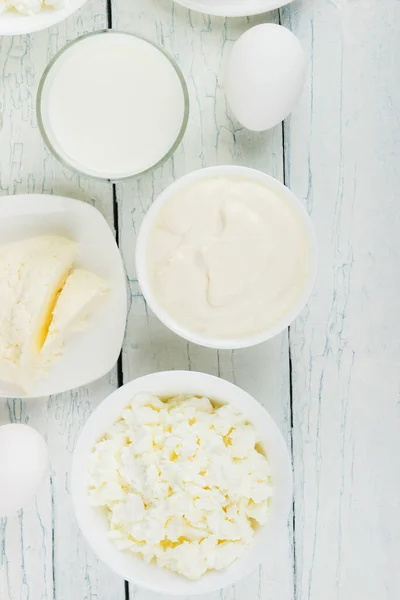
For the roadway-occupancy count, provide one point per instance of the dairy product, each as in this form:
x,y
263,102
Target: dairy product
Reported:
x,y
29,7
182,482
42,299
112,105
32,273
81,294
228,257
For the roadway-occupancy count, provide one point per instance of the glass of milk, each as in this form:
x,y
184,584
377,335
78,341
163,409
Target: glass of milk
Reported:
x,y
112,105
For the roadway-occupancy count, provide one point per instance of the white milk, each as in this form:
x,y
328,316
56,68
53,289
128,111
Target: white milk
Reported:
x,y
112,105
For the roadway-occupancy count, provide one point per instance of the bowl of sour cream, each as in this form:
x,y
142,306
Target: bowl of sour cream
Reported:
x,y
226,257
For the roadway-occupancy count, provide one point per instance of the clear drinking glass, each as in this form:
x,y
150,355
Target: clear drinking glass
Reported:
x,y
44,121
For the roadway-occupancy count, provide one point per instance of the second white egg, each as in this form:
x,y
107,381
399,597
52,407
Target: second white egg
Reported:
x,y
23,466
265,75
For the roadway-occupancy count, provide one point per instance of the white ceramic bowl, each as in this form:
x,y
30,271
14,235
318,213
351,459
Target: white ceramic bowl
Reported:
x,y
233,8
94,525
162,313
12,23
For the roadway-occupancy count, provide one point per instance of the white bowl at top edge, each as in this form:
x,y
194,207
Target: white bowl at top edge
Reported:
x,y
13,23
94,525
142,272
233,8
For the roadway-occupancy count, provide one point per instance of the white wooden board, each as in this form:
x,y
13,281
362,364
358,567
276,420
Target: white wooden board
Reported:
x,y
340,153
343,159
200,44
42,555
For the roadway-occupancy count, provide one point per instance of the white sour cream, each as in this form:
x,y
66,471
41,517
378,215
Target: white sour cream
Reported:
x,y
228,257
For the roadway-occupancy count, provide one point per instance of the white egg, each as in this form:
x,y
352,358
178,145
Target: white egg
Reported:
x,y
265,75
23,466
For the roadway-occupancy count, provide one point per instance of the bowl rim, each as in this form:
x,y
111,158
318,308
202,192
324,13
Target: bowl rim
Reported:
x,y
40,96
142,271
271,436
229,10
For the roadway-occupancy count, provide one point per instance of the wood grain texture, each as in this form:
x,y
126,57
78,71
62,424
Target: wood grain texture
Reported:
x,y
200,45
42,554
342,147
343,157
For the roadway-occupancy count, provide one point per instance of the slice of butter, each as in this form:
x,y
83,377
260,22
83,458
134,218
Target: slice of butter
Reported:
x,y
32,274
82,293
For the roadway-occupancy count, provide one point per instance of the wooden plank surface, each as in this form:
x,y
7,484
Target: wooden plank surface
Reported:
x,y
343,159
342,147
200,45
42,554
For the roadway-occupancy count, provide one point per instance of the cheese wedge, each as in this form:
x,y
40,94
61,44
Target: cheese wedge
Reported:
x,y
82,293
32,275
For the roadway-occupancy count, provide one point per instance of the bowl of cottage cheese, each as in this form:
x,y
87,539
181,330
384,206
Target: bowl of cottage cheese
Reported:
x,y
27,16
181,482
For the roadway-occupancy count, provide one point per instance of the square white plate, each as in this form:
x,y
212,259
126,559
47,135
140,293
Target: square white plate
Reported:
x,y
91,353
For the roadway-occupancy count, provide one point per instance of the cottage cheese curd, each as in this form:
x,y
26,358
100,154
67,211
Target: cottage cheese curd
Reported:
x,y
182,482
82,293
42,299
32,273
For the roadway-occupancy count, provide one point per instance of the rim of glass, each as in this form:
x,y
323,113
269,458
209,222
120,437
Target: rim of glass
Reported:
x,y
62,159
